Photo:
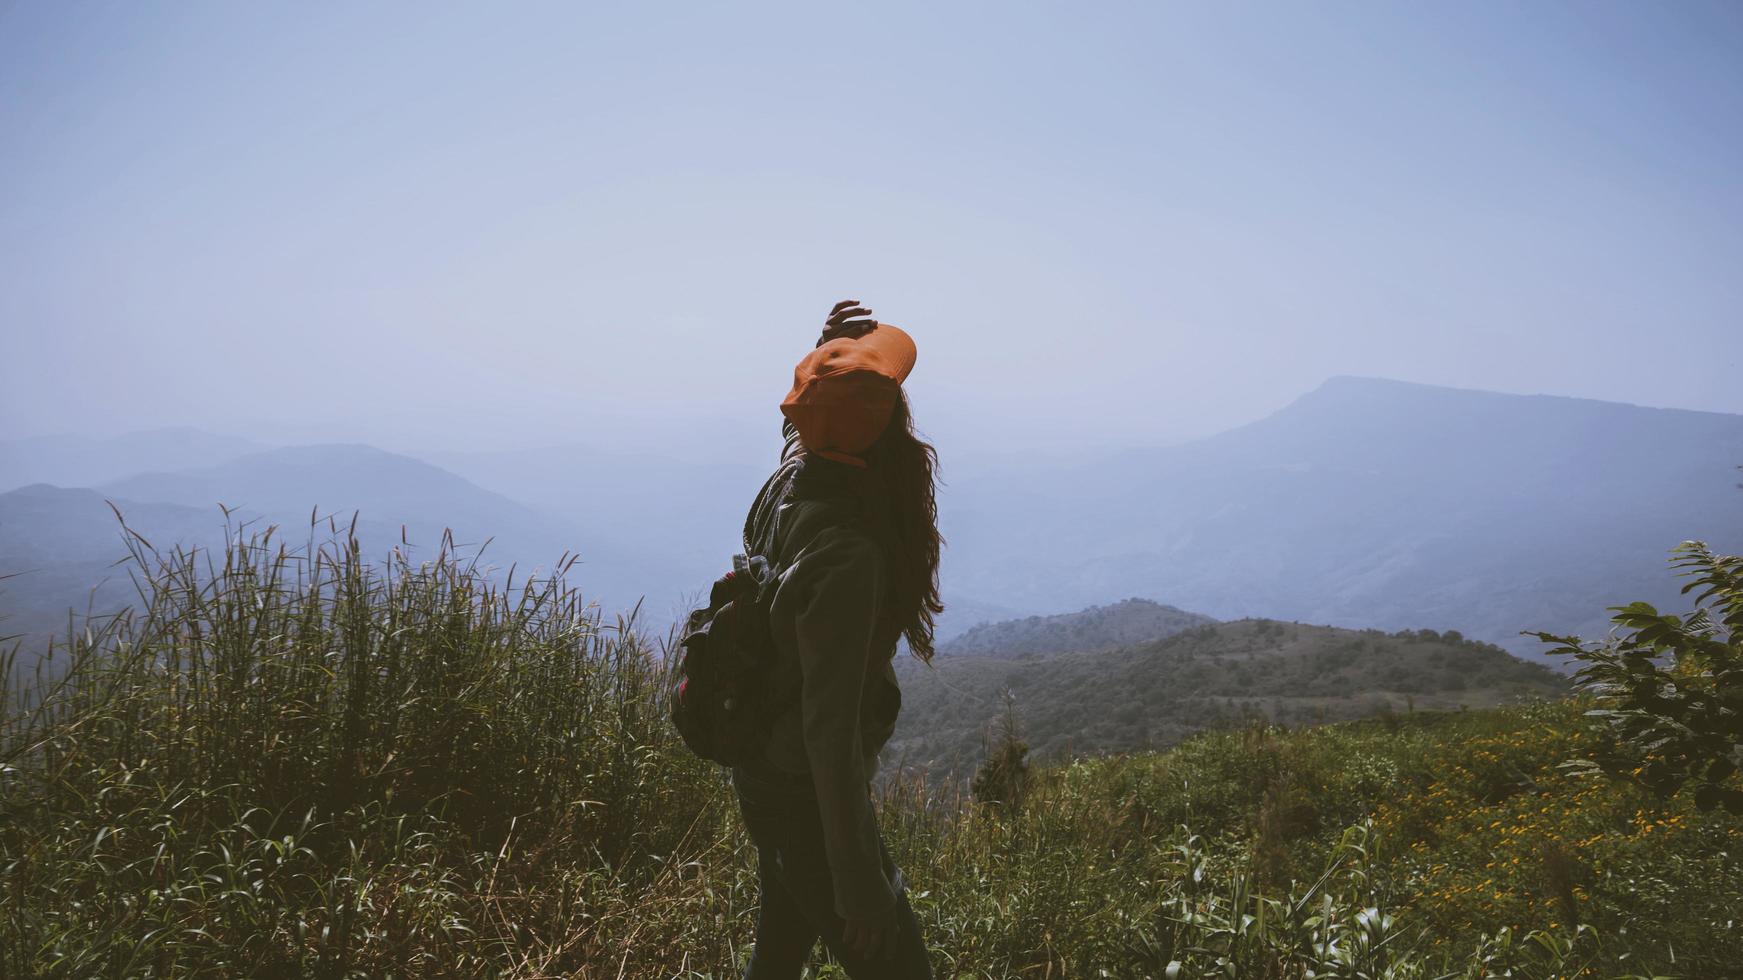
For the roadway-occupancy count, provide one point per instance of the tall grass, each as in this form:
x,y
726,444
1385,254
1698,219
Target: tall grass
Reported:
x,y
303,761
300,762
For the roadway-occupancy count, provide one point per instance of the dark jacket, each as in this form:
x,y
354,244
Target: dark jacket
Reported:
x,y
833,660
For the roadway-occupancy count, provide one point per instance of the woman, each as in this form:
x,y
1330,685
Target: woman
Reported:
x,y
849,523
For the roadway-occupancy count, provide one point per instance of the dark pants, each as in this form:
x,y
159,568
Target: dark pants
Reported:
x,y
797,905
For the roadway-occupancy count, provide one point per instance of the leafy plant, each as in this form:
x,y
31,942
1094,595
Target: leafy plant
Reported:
x,y
1670,688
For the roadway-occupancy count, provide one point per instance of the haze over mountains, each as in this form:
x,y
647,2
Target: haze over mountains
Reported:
x,y
83,461
1374,504
387,490
59,548
1365,503
60,542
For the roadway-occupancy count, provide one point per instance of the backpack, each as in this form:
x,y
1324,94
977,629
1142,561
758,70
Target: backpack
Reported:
x,y
727,697
722,706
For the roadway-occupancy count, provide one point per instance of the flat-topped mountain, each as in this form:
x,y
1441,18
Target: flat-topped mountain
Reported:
x,y
1371,503
1096,628
1153,694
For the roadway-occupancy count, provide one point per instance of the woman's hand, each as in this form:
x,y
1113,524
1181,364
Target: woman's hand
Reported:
x,y
846,319
870,937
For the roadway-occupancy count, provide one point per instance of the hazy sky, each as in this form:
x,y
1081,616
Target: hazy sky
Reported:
x,y
435,225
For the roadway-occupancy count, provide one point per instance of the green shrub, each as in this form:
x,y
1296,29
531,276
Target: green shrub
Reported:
x,y
1670,688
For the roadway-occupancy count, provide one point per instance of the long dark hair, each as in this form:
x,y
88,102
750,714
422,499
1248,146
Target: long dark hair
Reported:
x,y
902,509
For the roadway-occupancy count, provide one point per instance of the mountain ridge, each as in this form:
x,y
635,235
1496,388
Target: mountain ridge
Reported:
x,y
72,460
1366,501
1375,504
1377,382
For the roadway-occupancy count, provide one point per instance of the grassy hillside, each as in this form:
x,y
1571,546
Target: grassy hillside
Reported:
x,y
1152,695
314,768
1450,837
1095,628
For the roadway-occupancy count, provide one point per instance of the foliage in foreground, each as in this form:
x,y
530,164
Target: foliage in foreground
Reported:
x,y
1670,687
286,766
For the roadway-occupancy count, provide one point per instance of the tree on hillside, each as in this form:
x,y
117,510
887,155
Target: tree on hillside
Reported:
x,y
1003,776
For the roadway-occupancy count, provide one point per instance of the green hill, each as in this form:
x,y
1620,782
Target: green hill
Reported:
x,y
1096,628
1152,695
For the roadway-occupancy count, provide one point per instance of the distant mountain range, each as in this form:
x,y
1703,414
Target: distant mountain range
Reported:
x,y
682,519
61,545
1375,504
1365,503
1084,699
82,461
60,549
293,484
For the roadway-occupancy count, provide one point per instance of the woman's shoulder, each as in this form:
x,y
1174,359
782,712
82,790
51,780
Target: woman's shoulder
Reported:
x,y
820,533
838,572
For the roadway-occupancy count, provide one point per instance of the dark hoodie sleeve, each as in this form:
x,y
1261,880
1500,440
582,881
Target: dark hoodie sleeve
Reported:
x,y
834,631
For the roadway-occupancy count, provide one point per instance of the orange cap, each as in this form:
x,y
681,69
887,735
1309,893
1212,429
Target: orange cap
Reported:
x,y
844,392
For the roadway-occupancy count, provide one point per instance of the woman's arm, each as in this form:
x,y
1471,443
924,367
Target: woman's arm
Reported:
x,y
834,630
